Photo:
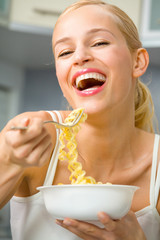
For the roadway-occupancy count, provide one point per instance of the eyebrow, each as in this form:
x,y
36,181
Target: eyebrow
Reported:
x,y
65,39
94,30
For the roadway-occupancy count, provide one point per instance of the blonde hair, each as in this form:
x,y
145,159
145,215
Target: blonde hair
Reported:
x,y
144,108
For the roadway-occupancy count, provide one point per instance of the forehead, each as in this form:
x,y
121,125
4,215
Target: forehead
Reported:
x,y
89,16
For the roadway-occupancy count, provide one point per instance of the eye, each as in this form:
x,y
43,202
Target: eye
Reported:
x,y
101,43
65,53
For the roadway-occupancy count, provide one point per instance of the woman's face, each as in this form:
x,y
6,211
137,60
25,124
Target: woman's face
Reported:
x,y
93,63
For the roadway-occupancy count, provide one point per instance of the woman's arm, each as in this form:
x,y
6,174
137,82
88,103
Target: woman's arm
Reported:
x,y
21,150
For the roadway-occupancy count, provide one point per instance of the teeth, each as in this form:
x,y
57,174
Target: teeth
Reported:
x,y
88,89
96,76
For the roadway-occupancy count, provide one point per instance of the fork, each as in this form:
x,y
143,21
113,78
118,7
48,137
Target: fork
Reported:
x,y
66,125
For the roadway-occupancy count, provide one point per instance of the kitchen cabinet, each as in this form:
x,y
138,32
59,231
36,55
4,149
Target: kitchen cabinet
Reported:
x,y
41,15
36,15
150,25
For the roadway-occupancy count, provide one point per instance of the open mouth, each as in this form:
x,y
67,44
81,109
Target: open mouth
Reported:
x,y
89,81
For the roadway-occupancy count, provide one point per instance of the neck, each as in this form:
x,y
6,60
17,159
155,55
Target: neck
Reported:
x,y
111,141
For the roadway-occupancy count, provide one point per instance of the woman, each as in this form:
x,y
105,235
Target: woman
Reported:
x,y
98,58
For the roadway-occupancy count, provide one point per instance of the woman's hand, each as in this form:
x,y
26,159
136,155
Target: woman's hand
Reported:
x,y
127,228
22,149
26,148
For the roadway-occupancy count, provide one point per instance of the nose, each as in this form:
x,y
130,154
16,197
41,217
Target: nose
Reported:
x,y
82,55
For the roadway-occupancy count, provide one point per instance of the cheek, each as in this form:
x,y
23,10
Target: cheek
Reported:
x,y
119,57
120,64
62,70
61,74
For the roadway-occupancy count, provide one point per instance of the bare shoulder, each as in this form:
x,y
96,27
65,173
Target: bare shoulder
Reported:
x,y
26,115
44,115
35,114
64,114
32,178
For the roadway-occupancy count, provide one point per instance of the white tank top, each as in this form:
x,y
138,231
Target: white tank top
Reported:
x,y
31,221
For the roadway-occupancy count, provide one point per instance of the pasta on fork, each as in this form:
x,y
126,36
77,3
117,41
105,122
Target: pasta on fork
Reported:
x,y
68,140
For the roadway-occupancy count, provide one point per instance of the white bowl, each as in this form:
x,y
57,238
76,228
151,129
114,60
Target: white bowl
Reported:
x,y
83,202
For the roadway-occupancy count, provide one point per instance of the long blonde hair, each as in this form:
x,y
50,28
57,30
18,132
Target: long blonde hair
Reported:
x,y
144,108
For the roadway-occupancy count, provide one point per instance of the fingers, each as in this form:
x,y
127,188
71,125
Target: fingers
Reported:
x,y
31,147
41,152
109,224
23,149
82,229
126,228
90,231
24,122
19,137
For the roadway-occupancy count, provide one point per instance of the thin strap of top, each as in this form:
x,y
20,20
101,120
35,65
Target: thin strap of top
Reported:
x,y
54,158
155,182
157,185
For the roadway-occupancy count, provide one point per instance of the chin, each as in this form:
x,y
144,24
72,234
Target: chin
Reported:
x,y
90,108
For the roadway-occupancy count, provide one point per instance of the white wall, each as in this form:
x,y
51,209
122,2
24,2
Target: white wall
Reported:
x,y
42,91
12,81
11,85
152,77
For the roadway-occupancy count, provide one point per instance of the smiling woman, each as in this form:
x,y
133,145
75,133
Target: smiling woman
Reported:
x,y
99,60
143,101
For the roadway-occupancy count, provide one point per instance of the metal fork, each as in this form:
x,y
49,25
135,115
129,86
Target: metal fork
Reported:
x,y
66,125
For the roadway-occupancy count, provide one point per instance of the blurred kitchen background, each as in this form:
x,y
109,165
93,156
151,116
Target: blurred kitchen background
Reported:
x,y
27,74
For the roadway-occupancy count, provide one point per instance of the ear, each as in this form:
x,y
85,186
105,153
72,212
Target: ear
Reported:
x,y
141,61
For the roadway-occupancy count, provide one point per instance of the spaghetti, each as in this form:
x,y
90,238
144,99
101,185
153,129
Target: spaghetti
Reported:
x,y
68,150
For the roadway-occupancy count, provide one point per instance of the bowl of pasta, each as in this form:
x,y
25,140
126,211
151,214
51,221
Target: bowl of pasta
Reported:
x,y
84,197
83,202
